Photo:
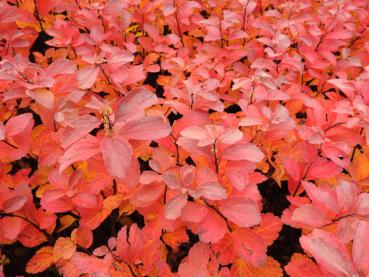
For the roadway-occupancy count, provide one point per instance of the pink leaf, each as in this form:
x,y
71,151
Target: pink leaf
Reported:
x,y
117,155
133,105
130,248
194,212
18,124
211,229
323,168
146,128
197,133
323,197
362,204
85,200
87,76
2,131
42,96
361,245
249,246
243,151
81,150
243,212
311,215
230,136
212,191
346,195
329,253
174,207
78,129
197,261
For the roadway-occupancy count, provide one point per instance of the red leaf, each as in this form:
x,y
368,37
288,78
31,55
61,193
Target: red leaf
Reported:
x,y
14,203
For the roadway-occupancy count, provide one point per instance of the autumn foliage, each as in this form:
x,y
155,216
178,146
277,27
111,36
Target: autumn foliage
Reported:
x,y
136,137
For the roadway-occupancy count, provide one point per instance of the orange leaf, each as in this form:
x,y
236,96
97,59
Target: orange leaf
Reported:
x,y
112,202
301,266
269,228
64,248
82,236
41,261
270,269
359,168
65,222
120,270
31,236
174,239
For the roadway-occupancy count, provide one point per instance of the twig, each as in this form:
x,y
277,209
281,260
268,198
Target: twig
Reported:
x,y
178,24
177,150
37,15
215,156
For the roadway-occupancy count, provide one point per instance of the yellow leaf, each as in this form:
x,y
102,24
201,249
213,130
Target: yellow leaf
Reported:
x,y
42,188
87,174
65,222
132,28
41,261
139,34
22,25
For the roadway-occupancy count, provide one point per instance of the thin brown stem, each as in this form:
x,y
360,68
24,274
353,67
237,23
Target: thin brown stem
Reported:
x,y
356,147
177,150
178,23
336,220
114,186
37,15
244,21
11,145
215,157
307,168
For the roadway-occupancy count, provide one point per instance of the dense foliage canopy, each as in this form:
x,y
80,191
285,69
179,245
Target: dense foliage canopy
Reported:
x,y
155,138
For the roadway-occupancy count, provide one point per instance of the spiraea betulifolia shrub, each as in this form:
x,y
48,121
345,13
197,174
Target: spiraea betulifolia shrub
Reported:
x,y
184,138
